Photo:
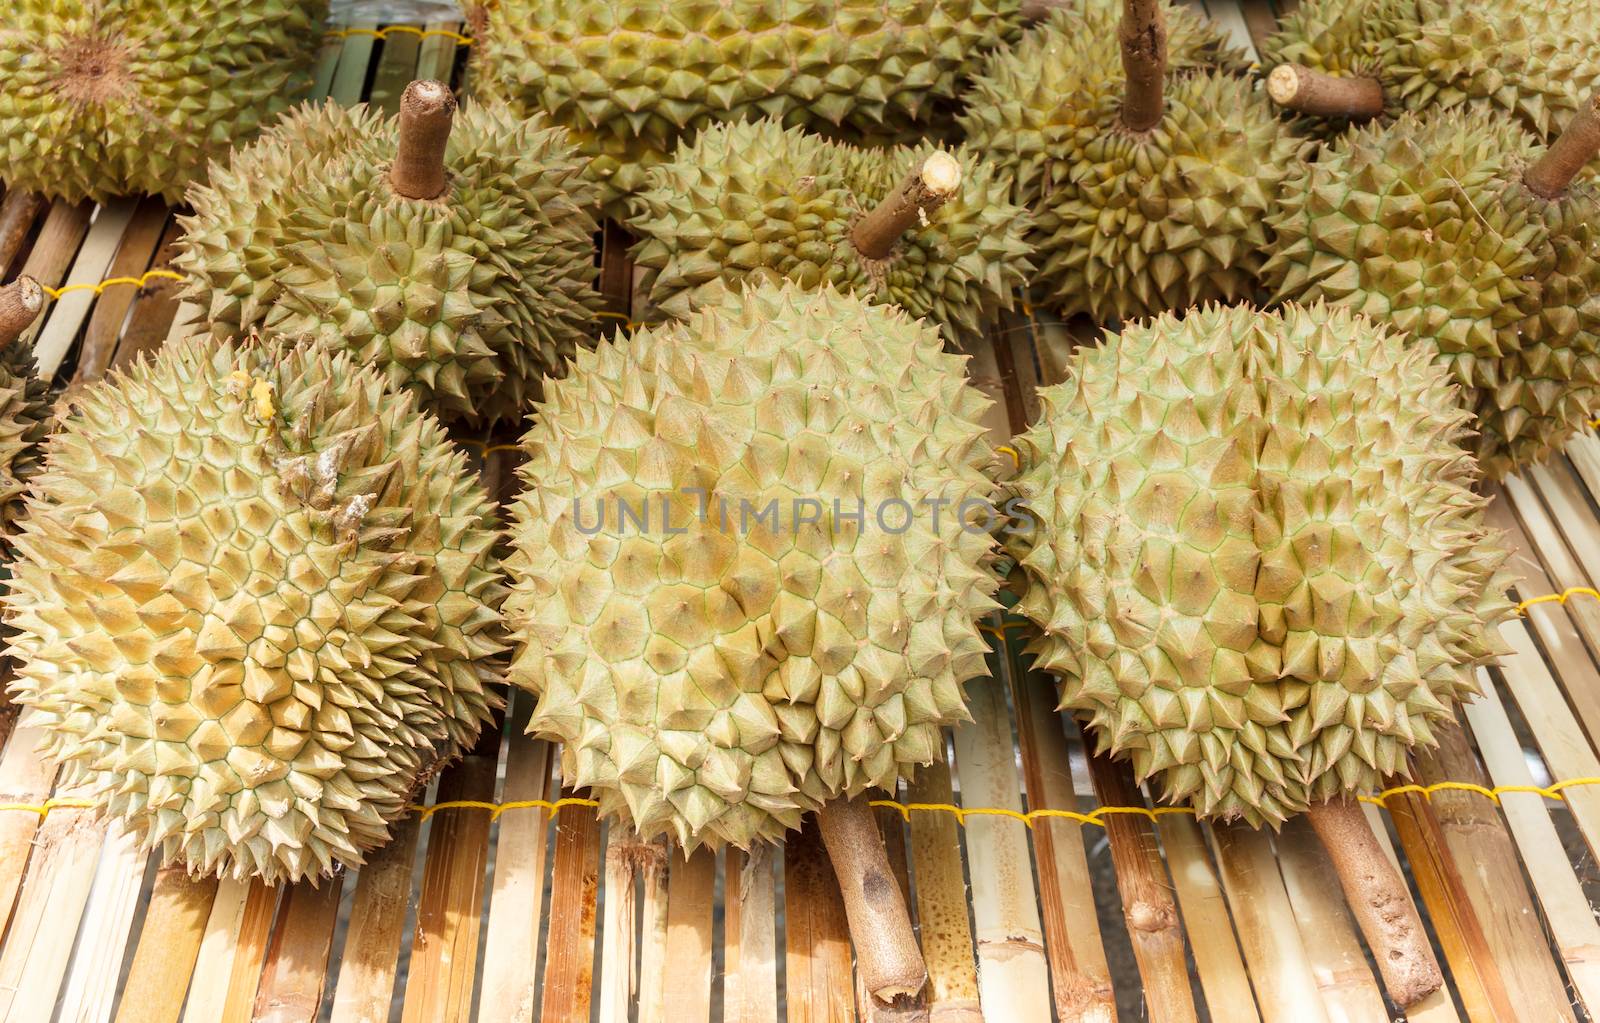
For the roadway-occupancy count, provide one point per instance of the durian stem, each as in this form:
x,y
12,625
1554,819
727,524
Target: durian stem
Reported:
x,y
924,190
1378,897
1567,155
1143,34
426,111
20,303
1298,88
1037,10
887,955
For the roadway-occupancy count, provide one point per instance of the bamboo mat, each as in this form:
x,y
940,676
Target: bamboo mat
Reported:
x,y
508,900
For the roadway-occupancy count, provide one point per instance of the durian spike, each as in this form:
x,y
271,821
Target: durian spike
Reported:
x,y
426,111
1378,897
887,955
1299,88
1576,146
20,302
1143,35
924,190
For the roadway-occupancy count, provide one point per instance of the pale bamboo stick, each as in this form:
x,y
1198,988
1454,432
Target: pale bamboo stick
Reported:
x,y
1328,936
941,895
750,991
92,981
1223,979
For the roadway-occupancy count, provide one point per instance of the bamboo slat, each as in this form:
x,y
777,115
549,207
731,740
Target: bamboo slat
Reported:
x,y
820,987
750,988
653,978
104,932
135,251
1013,976
371,953
59,239
68,313
510,981
1272,937
297,958
941,898
25,778
19,211
569,950
438,53
397,66
355,55
1223,980
628,858
169,947
691,885
154,308
231,953
1328,937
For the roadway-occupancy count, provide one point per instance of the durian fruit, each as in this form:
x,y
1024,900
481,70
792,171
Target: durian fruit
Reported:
x,y
761,199
747,570
25,411
462,263
1346,60
1447,227
137,96
1149,164
631,78
255,605
1256,559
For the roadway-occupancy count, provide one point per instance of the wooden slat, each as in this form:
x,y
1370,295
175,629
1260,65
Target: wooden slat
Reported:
x,y
816,937
1260,19
231,953
135,251
1152,917
1079,976
1223,980
444,952
1329,939
750,989
397,66
1013,976
1274,946
25,778
154,308
63,232
941,898
355,55
91,987
18,212
653,935
67,315
1230,18
169,947
691,884
297,959
517,892
1566,908
569,950
371,953
437,55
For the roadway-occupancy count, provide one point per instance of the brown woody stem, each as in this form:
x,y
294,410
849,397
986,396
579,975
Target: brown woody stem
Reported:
x,y
1379,899
1035,10
1143,34
924,190
20,303
1298,88
1567,155
887,955
426,111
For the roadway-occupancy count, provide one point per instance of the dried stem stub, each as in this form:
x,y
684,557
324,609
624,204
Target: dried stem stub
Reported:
x,y
426,110
1379,899
1298,88
20,304
1143,35
887,955
925,189
1568,154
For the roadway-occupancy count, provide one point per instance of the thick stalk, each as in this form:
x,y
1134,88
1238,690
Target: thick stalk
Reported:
x,y
887,955
1378,897
1567,155
924,190
1143,34
426,111
20,302
1298,88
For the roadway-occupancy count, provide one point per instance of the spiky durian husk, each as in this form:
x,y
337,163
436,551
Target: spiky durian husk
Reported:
x,y
758,199
1256,558
105,99
25,414
1132,223
631,78
717,676
1534,61
1426,224
468,299
255,604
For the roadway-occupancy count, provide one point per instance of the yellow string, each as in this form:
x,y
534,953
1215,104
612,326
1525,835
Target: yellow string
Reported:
x,y
1016,459
389,30
138,282
1557,598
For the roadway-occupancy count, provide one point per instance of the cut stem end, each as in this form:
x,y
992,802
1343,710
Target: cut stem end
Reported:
x,y
887,956
21,301
924,190
1298,88
426,111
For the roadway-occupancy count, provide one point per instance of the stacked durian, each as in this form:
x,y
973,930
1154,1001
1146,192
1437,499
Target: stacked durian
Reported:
x,y
1148,161
25,411
632,78
460,262
928,230
105,99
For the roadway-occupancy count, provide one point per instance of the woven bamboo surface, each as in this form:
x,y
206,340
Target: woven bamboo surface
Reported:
x,y
506,899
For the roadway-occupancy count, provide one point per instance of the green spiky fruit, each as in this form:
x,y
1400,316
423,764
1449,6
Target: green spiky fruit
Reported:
x,y
1426,224
632,77
255,605
1256,559
1132,223
752,647
757,199
25,414
1535,61
105,99
468,299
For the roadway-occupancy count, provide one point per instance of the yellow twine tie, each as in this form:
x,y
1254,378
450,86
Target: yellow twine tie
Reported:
x,y
389,30
138,282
